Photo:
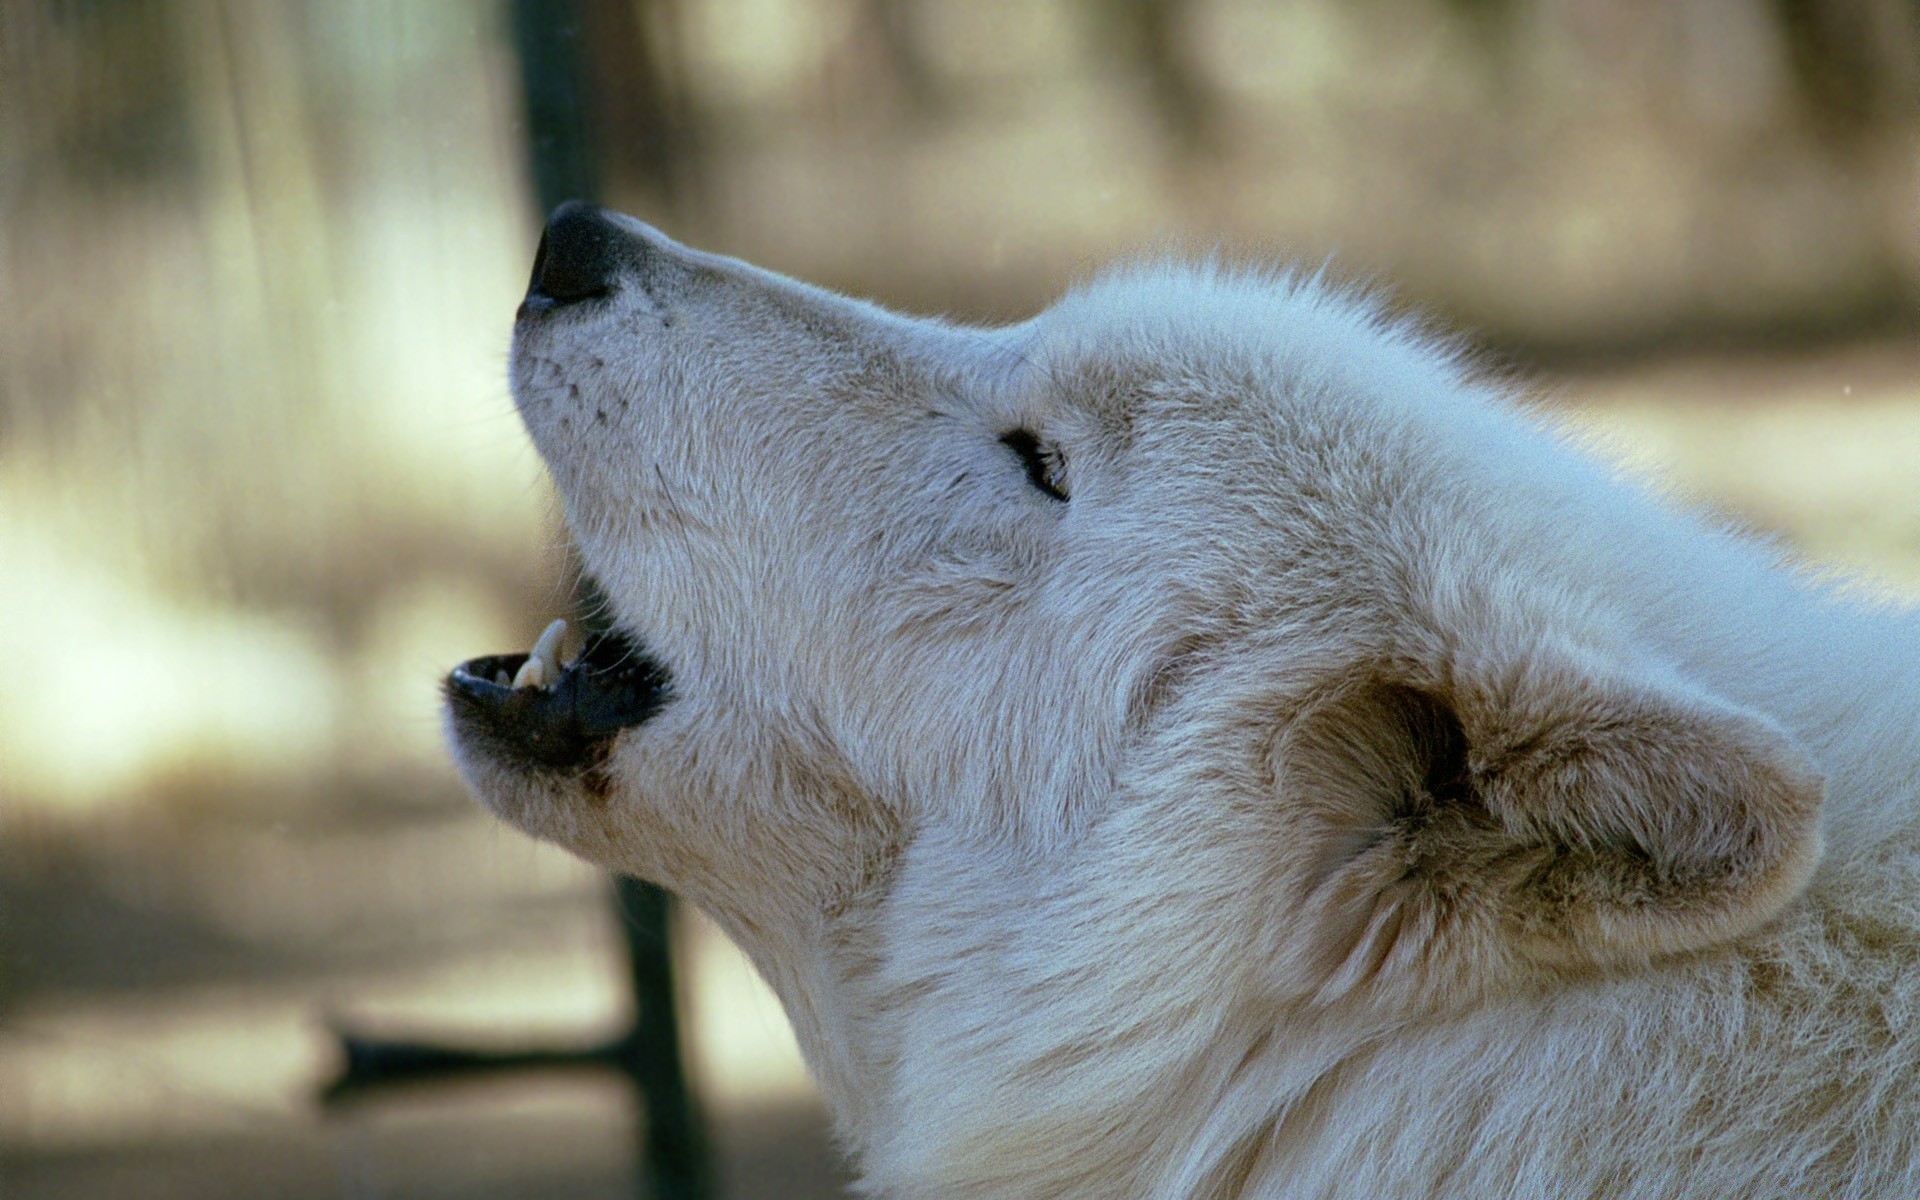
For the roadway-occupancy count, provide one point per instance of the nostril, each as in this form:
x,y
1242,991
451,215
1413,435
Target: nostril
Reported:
x,y
580,254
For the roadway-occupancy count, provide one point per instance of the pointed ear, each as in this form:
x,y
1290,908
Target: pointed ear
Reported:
x,y
1478,831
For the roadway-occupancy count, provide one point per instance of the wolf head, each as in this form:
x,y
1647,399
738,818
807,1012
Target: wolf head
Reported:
x,y
1207,596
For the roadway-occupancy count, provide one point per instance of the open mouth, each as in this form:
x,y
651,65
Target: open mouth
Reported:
x,y
533,707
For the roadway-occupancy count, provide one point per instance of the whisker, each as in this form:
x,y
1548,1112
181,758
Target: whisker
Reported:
x,y
673,505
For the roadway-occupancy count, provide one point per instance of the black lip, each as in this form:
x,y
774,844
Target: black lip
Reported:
x,y
613,685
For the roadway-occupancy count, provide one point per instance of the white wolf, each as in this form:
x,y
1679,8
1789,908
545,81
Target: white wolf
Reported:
x,y
1202,742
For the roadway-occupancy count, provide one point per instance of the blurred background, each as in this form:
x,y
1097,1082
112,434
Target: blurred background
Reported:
x,y
261,482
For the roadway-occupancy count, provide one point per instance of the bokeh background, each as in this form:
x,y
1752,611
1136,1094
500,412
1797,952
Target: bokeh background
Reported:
x,y
261,482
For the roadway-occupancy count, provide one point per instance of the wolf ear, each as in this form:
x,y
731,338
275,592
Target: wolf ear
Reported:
x,y
1479,830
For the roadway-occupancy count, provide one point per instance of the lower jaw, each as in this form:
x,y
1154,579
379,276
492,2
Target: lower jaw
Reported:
x,y
613,685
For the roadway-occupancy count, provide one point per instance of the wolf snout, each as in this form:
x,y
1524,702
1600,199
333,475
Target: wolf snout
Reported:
x,y
582,252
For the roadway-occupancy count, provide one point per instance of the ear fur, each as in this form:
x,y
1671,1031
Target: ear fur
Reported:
x,y
1473,833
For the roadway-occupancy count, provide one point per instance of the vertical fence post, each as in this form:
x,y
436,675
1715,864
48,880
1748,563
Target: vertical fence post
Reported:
x,y
564,152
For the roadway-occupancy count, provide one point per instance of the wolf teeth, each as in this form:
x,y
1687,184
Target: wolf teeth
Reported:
x,y
543,662
547,649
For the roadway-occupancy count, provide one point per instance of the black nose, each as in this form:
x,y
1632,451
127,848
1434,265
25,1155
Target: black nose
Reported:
x,y
580,254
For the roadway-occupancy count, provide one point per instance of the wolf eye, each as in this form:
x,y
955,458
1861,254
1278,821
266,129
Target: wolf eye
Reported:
x,y
1045,467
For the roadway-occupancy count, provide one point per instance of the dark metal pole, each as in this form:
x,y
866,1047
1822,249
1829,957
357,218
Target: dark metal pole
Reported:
x,y
674,1141
562,134
562,113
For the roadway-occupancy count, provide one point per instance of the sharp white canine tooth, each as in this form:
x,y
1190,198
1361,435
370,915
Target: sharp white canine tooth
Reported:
x,y
532,673
547,650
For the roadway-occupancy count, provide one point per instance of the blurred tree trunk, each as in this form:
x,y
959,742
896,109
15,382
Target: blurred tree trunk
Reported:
x,y
902,56
1855,62
646,135
1152,40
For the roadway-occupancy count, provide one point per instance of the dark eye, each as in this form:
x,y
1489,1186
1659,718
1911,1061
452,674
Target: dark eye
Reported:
x,y
1046,470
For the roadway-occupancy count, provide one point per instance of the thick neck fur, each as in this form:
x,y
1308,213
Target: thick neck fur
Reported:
x,y
985,1011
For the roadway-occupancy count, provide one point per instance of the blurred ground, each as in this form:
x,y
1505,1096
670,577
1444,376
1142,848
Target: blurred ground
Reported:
x,y
261,483
164,1022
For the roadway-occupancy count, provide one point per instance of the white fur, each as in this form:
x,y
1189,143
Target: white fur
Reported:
x,y
1351,791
